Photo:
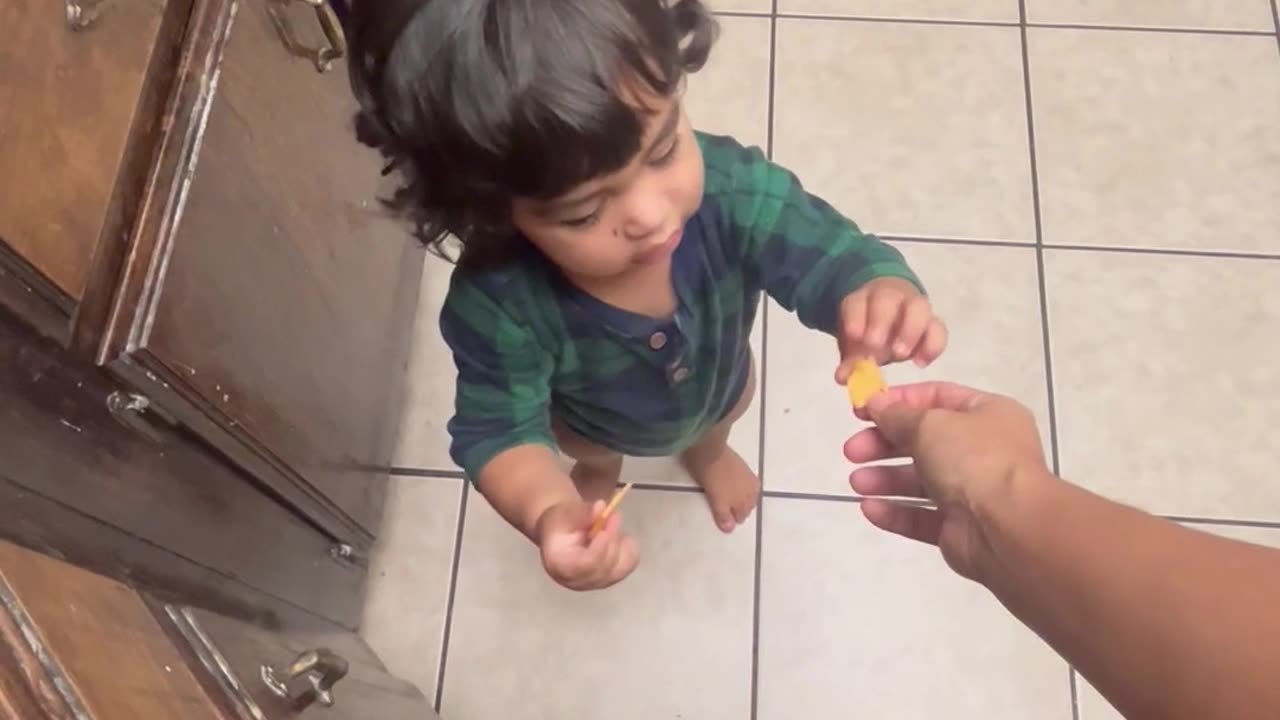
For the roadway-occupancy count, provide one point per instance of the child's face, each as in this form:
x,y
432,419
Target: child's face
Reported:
x,y
616,223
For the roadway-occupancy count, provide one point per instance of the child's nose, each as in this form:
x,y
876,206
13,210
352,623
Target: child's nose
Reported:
x,y
646,214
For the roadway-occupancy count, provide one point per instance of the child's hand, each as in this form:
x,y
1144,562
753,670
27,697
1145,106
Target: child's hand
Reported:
x,y
888,320
576,561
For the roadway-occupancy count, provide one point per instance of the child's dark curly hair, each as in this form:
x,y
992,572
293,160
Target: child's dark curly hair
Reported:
x,y
477,102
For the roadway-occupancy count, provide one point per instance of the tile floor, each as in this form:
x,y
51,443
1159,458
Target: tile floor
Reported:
x,y
1091,189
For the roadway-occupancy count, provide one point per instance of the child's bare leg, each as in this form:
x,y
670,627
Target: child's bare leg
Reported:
x,y
732,489
595,470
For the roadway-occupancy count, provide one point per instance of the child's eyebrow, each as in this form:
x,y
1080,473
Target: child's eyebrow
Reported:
x,y
669,125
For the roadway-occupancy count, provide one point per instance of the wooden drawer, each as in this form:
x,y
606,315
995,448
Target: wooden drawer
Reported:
x,y
62,444
77,645
268,299
75,107
260,674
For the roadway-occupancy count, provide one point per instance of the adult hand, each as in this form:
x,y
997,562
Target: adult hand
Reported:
x,y
966,446
580,562
888,320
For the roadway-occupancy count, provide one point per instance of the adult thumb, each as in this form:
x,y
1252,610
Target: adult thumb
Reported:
x,y
897,421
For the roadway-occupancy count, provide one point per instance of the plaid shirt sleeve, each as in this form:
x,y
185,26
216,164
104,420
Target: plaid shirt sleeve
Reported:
x,y
807,255
503,386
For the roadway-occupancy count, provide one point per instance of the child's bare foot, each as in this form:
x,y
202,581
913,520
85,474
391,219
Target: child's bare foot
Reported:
x,y
732,489
596,479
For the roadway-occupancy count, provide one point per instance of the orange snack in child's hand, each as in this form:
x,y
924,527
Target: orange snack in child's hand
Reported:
x,y
603,517
865,382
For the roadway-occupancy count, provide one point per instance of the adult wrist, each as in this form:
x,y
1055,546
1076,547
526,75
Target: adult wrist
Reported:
x,y
1019,498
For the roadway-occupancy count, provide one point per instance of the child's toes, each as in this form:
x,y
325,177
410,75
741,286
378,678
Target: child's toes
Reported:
x,y
725,519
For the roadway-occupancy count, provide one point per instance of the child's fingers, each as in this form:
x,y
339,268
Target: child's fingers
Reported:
x,y
628,559
853,317
932,344
916,317
853,325
883,310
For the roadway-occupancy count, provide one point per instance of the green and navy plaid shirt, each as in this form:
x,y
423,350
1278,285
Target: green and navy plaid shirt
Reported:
x,y
529,345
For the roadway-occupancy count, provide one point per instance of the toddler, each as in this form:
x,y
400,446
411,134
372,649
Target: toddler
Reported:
x,y
611,258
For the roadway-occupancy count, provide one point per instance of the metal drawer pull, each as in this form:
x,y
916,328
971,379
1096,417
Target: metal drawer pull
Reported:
x,y
131,411
83,13
323,57
323,668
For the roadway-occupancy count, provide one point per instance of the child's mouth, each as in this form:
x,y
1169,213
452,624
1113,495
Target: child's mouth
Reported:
x,y
658,252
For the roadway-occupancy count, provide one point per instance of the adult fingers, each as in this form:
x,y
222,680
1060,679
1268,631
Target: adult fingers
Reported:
x,y
896,480
870,445
915,523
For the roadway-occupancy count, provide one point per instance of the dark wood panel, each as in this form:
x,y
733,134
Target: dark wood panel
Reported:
x,y
233,649
67,107
51,528
59,440
282,309
96,637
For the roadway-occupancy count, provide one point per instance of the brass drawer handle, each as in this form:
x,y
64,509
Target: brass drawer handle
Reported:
x,y
83,13
322,57
322,668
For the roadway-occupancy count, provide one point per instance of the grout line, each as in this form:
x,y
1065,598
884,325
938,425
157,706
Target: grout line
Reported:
x,y
1275,18
740,13
762,384
426,473
453,591
820,497
1041,280
857,499
1171,252
664,487
896,20
976,242
1075,693
1157,30
1192,520
759,551
1013,23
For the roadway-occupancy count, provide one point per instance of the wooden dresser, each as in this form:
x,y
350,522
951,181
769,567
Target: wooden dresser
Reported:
x,y
204,321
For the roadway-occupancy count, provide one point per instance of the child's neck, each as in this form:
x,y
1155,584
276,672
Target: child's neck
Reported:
x,y
645,290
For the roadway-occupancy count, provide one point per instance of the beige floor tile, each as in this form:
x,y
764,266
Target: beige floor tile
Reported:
x,y
989,297
856,623
730,95
1092,705
1208,14
986,10
428,405
409,575
671,641
909,129
1165,379
1157,139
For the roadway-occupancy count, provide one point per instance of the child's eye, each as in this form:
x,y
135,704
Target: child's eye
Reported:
x,y
668,156
585,221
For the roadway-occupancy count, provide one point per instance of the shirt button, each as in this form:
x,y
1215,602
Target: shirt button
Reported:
x,y
658,340
680,374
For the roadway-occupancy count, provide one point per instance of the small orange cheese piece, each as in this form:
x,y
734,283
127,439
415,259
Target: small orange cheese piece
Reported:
x,y
865,382
600,520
